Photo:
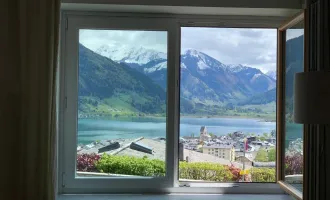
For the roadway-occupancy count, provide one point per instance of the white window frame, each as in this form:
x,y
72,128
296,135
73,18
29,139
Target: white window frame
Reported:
x,y
73,21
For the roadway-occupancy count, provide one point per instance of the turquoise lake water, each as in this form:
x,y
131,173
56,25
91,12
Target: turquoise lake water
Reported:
x,y
90,130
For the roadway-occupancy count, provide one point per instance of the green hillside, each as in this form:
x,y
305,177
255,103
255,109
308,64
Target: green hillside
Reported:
x,y
263,98
111,89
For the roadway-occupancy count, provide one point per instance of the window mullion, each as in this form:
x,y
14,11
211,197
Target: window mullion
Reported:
x,y
173,103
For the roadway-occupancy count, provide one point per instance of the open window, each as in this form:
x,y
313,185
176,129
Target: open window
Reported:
x,y
291,141
172,104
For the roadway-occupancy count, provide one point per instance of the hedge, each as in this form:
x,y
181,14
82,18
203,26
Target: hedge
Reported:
x,y
263,174
128,165
205,171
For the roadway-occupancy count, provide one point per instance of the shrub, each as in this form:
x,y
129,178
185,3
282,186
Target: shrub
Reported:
x,y
205,171
86,162
263,174
294,164
235,172
130,166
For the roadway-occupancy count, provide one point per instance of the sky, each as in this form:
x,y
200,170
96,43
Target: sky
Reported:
x,y
293,33
92,39
251,47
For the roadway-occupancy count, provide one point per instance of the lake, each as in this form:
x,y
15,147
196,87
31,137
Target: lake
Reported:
x,y
90,130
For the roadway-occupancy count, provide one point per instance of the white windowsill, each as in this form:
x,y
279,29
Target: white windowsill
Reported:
x,y
177,197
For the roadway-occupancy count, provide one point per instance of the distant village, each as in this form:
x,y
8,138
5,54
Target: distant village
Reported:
x,y
229,149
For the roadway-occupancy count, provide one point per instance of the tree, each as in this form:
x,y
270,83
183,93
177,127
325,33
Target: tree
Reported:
x,y
261,156
212,135
266,156
273,133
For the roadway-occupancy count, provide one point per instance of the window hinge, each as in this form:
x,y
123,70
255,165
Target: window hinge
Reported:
x,y
63,179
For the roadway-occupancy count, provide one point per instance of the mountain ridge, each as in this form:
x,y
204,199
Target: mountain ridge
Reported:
x,y
213,81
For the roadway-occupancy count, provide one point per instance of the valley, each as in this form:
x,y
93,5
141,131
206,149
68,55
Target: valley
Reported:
x,y
132,83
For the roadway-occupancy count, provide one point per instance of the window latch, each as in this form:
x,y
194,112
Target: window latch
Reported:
x,y
184,185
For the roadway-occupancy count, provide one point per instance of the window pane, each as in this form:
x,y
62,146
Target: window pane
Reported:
x,y
294,63
227,104
122,102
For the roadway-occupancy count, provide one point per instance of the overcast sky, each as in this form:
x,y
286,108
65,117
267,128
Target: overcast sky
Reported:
x,y
293,33
92,39
252,47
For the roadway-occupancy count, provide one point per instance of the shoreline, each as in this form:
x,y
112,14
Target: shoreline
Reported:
x,y
183,116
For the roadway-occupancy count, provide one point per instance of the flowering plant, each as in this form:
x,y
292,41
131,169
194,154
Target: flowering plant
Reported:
x,y
86,162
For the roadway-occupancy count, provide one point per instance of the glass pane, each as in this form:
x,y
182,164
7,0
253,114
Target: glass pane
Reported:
x,y
294,63
122,103
228,104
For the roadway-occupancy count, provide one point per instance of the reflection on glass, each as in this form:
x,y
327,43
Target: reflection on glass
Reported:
x,y
227,105
294,63
122,103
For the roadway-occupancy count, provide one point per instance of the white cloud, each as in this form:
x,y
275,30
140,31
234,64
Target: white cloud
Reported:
x,y
93,39
251,47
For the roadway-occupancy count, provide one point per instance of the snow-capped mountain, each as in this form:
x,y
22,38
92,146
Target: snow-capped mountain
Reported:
x,y
255,79
227,85
271,74
206,84
203,78
236,67
204,61
135,55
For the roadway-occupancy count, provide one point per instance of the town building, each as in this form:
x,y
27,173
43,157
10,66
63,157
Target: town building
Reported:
x,y
245,160
220,150
204,136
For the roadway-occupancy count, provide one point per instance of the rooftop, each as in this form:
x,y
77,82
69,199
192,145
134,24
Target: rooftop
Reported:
x,y
218,146
158,149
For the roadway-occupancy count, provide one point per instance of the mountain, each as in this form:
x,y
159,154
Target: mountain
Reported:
x,y
272,74
294,63
135,56
236,68
157,71
107,87
253,78
219,83
263,98
204,80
